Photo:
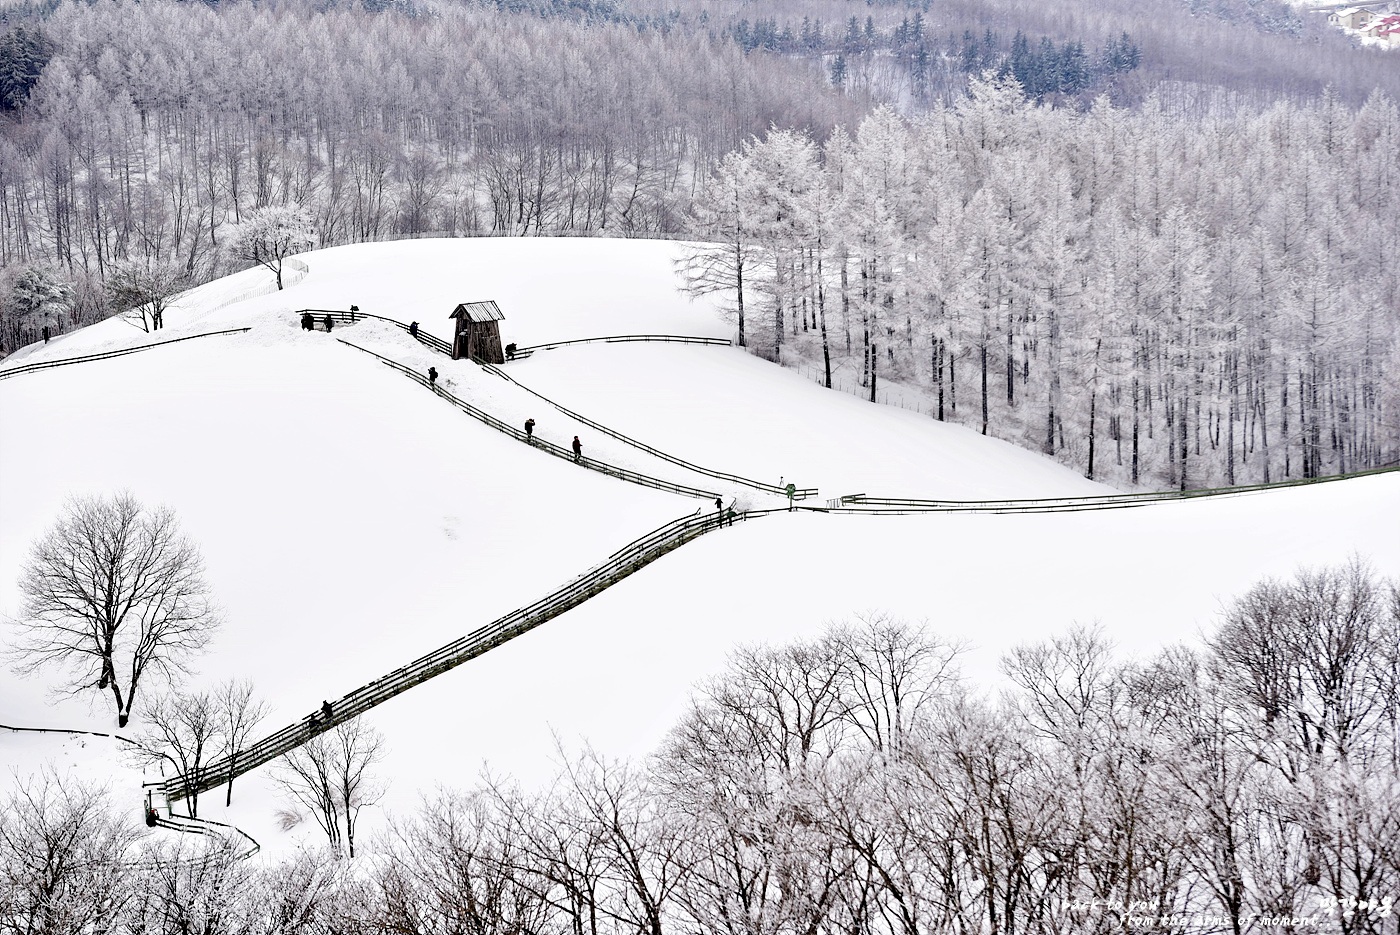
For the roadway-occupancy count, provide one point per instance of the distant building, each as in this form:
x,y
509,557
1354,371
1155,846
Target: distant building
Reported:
x,y
1385,27
1351,18
478,334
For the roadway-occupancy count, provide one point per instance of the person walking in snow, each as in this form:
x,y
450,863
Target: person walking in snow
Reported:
x,y
432,377
413,329
46,334
578,449
530,431
328,323
326,709
307,322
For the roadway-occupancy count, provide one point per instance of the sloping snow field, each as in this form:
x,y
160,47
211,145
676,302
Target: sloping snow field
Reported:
x,y
352,521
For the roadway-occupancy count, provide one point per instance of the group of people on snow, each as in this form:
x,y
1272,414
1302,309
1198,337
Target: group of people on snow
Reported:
x,y
530,439
308,322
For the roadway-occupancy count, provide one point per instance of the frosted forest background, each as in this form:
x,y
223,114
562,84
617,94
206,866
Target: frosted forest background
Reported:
x,y
1153,241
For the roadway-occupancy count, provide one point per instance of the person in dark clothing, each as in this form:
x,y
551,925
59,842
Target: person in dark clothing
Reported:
x,y
46,334
328,323
510,351
730,516
432,377
413,328
578,449
719,503
307,322
530,431
326,709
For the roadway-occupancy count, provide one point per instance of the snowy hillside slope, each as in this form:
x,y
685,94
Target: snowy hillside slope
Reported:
x,y
351,521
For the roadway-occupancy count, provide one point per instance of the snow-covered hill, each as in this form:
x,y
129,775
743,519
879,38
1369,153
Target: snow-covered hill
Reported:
x,y
350,520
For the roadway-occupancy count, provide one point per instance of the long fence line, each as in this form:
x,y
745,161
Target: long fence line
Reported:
x,y
437,344
559,451
522,352
104,355
860,503
624,562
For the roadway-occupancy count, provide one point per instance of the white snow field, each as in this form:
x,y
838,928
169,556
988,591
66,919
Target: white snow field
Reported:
x,y
351,521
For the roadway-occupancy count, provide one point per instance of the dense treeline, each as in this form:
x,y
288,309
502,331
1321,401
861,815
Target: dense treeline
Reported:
x,y
852,783
913,52
1153,300
153,125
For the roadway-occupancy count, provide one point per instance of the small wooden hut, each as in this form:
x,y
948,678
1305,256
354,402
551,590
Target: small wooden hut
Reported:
x,y
478,335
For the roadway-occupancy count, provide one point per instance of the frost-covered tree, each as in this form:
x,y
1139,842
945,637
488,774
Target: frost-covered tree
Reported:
x,y
40,299
141,290
66,859
270,235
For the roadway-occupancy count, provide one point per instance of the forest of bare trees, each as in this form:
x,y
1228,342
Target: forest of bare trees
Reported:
x,y
853,782
1151,297
154,125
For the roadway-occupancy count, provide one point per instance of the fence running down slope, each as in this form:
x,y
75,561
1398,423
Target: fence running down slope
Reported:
x,y
626,561
559,451
437,344
800,493
104,355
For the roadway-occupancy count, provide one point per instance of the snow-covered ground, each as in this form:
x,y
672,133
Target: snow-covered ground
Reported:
x,y
351,521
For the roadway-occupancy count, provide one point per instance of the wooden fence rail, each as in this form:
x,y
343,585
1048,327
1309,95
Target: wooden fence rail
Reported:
x,y
559,451
860,503
624,562
802,493
104,355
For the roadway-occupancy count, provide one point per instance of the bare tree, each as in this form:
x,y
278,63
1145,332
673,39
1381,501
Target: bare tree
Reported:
x,y
306,774
113,593
187,729
239,714
142,290
329,776
357,747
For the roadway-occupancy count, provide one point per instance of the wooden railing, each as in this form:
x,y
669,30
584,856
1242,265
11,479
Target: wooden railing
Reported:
x,y
349,318
104,355
559,451
860,503
802,493
625,561
523,352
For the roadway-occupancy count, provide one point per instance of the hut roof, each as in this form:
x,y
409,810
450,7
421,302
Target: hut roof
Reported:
x,y
478,311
